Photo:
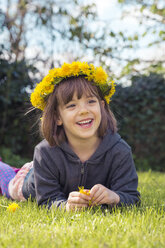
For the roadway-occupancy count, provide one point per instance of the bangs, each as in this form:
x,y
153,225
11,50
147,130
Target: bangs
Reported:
x,y
79,86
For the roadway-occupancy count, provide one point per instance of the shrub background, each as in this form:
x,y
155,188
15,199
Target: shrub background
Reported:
x,y
17,138
140,110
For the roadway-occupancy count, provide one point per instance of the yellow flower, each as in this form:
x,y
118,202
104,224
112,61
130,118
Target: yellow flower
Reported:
x,y
47,89
85,192
48,79
37,101
55,72
85,68
75,68
111,93
100,75
66,70
13,207
82,191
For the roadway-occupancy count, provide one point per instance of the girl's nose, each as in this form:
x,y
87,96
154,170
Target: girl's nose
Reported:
x,y
83,109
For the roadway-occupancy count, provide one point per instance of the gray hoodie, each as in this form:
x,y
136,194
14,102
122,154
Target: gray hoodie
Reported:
x,y
59,171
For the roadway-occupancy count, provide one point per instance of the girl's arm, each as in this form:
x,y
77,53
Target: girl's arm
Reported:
x,y
47,186
124,182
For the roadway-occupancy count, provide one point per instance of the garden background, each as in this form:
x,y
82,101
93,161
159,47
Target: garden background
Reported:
x,y
129,44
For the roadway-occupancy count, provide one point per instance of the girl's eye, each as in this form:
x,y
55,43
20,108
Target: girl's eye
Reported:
x,y
70,106
92,101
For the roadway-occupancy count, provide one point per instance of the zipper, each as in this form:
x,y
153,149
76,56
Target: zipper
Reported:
x,y
82,169
82,173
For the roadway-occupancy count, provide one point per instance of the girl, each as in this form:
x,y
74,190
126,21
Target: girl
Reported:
x,y
81,145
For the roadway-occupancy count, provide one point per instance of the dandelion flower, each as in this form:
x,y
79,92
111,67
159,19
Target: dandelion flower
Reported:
x,y
75,68
84,191
66,70
13,207
100,75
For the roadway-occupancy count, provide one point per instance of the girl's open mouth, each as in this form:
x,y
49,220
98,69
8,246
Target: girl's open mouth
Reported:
x,y
85,123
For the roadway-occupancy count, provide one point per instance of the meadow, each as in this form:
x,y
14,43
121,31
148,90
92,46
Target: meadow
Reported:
x,y
142,226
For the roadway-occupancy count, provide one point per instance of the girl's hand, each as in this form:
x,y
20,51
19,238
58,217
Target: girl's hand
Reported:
x,y
77,201
102,195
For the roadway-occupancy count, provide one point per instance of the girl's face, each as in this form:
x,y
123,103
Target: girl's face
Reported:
x,y
80,118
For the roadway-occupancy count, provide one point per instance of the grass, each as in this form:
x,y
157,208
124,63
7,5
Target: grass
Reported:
x,y
142,226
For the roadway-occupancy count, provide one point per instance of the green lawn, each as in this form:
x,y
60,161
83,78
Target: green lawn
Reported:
x,y
142,226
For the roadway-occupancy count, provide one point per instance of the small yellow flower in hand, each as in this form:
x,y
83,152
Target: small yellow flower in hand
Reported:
x,y
85,192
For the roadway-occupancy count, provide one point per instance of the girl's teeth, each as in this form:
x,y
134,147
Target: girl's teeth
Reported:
x,y
84,122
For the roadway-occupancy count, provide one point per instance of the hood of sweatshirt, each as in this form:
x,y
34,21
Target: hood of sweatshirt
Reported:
x,y
107,143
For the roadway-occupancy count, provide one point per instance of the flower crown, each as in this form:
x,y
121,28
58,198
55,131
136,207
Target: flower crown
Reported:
x,y
75,69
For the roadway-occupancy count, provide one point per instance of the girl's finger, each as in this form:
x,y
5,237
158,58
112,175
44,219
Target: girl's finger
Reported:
x,y
99,200
80,195
97,194
77,200
74,193
94,190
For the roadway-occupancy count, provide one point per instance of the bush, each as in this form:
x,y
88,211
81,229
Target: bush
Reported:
x,y
12,159
15,83
140,112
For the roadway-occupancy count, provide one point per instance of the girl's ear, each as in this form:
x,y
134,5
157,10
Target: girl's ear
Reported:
x,y
102,103
59,121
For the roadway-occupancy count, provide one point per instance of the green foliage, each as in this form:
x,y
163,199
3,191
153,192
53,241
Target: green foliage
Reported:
x,y
15,83
151,18
10,158
73,31
139,109
42,24
142,226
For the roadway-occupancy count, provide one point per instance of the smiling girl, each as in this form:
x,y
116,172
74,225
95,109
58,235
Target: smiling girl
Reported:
x,y
81,146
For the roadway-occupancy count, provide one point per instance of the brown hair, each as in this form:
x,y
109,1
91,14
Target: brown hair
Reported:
x,y
63,93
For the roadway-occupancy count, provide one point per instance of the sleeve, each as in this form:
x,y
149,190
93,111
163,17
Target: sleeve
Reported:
x,y
46,179
125,180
